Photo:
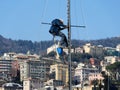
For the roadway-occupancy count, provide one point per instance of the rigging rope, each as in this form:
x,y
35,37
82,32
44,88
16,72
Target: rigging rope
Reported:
x,y
84,21
44,9
79,18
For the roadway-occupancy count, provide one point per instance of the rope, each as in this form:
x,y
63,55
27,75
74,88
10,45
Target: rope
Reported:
x,y
83,19
45,8
82,12
77,17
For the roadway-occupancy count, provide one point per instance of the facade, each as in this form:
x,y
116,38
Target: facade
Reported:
x,y
54,83
83,73
94,76
32,84
110,59
118,47
59,72
93,50
6,68
15,68
111,51
53,48
32,69
19,56
79,50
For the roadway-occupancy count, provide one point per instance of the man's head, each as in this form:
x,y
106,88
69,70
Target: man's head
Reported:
x,y
57,22
61,20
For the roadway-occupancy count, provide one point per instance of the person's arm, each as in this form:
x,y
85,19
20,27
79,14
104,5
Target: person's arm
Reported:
x,y
62,27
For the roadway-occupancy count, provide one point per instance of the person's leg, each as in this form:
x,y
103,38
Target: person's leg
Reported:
x,y
63,39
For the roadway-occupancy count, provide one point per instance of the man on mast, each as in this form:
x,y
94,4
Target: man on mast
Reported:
x,y
55,30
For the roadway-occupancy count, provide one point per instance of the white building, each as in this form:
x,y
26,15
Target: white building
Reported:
x,y
118,47
59,72
83,73
110,59
54,48
79,50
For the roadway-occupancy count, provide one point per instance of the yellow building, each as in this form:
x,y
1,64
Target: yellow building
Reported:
x,y
93,50
61,72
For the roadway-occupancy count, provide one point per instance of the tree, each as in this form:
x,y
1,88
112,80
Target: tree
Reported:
x,y
114,67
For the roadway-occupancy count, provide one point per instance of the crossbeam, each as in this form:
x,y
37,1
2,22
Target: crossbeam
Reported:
x,y
66,25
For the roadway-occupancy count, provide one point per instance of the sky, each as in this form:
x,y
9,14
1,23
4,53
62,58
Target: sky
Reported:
x,y
21,19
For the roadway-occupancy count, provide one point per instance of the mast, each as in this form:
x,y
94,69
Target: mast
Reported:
x,y
69,43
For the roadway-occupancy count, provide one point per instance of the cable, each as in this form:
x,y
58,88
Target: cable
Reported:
x,y
45,8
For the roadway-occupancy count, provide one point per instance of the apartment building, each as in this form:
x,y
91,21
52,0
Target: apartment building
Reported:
x,y
53,48
110,59
95,76
79,50
93,50
59,72
84,73
5,69
33,69
118,47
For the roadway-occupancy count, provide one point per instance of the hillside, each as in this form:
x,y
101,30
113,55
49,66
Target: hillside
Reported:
x,y
22,46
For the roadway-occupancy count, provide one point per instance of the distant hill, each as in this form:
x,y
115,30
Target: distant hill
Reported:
x,y
22,46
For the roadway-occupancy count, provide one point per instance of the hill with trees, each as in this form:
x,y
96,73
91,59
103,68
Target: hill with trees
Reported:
x,y
23,46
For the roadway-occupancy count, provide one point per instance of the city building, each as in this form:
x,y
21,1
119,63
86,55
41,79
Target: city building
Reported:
x,y
110,59
118,47
93,50
59,72
55,46
15,68
6,68
79,50
32,84
33,69
111,51
86,74
95,76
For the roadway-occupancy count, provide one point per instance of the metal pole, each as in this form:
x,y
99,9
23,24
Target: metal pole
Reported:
x,y
69,43
108,80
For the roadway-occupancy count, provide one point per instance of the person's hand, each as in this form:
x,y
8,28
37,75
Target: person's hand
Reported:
x,y
66,26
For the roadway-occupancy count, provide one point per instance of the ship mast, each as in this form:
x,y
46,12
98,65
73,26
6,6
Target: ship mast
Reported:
x,y
69,43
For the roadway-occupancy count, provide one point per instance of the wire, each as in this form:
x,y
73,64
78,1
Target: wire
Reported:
x,y
79,19
44,9
83,19
82,15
